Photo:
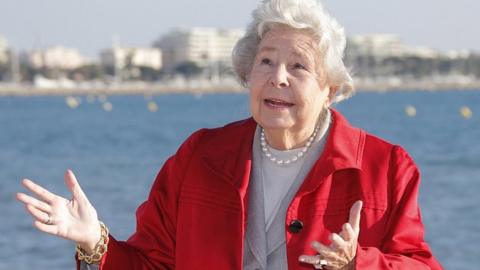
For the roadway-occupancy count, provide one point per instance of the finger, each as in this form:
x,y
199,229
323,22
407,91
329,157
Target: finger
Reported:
x,y
349,232
44,194
308,259
333,262
322,249
73,186
354,218
352,249
37,214
344,232
29,200
50,229
338,242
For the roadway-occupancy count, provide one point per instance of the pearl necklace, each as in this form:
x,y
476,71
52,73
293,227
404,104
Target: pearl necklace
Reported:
x,y
299,155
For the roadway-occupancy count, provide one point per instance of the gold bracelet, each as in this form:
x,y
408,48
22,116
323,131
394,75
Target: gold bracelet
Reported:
x,y
99,250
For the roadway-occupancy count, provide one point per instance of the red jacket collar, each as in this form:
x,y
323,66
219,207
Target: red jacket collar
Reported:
x,y
344,146
343,150
228,151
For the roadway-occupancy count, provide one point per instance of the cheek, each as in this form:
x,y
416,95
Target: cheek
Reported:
x,y
255,97
311,97
255,105
256,85
254,100
254,89
257,75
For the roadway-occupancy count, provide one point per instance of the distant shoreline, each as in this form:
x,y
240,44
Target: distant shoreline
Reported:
x,y
153,89
31,91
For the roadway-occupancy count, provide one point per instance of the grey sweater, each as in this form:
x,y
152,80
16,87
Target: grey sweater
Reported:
x,y
271,190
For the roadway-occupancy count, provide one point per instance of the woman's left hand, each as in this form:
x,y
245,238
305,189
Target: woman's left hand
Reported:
x,y
340,254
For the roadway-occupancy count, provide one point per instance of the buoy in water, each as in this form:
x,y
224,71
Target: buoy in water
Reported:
x,y
107,106
102,98
152,106
410,111
465,112
72,102
90,99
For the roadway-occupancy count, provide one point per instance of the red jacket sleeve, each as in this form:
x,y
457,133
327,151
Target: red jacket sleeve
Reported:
x,y
404,246
152,246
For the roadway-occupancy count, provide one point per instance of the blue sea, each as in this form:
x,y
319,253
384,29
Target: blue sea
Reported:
x,y
117,154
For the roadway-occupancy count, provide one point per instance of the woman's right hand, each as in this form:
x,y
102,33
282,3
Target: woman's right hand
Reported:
x,y
74,219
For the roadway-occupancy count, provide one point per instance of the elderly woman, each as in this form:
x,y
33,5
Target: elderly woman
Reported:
x,y
294,187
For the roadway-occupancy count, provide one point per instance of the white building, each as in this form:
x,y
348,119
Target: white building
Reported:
x,y
203,46
4,55
385,45
137,57
55,57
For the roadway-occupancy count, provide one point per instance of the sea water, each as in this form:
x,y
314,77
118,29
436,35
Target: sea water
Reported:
x,y
116,155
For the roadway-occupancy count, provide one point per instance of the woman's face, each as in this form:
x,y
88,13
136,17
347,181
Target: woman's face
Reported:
x,y
285,88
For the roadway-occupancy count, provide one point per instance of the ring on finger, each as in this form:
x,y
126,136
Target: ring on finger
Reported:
x,y
320,263
49,220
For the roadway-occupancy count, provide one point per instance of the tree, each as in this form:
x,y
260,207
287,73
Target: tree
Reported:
x,y
188,69
87,72
27,73
150,74
4,71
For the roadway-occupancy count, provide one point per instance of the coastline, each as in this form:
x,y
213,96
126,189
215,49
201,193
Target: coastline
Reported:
x,y
115,90
192,88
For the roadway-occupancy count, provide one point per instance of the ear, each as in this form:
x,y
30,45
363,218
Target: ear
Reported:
x,y
332,93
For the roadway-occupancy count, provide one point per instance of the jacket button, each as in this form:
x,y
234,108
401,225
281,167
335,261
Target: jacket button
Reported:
x,y
295,226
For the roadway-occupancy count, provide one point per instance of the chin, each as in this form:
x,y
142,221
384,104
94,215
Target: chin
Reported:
x,y
275,123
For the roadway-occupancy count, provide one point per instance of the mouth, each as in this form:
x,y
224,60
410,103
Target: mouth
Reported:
x,y
277,103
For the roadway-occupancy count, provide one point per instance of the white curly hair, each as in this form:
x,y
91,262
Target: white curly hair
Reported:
x,y
307,15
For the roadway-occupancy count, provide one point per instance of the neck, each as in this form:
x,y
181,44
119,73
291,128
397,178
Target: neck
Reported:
x,y
286,139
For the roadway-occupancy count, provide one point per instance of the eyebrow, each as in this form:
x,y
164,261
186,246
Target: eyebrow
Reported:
x,y
307,56
296,53
267,49
270,49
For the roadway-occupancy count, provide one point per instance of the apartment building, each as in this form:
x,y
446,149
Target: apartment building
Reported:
x,y
4,54
120,57
203,46
56,57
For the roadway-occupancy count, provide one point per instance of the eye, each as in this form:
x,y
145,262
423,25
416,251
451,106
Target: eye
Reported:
x,y
298,66
266,61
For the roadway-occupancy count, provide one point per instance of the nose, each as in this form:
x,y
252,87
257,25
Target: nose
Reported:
x,y
279,78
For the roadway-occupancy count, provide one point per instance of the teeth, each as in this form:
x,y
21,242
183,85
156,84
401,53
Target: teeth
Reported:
x,y
279,102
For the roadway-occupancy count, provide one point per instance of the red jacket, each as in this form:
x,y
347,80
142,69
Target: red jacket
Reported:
x,y
195,216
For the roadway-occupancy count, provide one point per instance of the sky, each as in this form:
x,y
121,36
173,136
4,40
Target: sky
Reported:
x,y
92,25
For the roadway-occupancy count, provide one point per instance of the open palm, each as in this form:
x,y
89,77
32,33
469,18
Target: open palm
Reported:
x,y
74,219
